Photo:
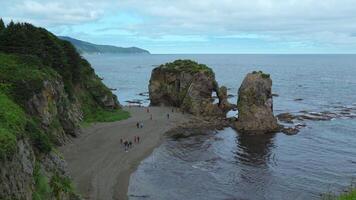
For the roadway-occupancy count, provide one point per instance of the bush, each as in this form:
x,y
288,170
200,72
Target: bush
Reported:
x,y
61,185
39,139
7,143
101,115
12,122
42,188
187,66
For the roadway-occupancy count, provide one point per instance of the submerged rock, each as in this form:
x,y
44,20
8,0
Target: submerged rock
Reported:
x,y
189,86
255,105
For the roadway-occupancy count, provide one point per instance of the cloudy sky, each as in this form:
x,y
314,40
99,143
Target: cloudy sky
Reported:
x,y
198,26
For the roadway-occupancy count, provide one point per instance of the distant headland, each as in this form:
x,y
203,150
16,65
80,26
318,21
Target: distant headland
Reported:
x,y
90,48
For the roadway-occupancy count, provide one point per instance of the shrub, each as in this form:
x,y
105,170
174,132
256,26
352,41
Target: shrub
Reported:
x,y
7,143
12,122
61,185
42,188
187,66
39,139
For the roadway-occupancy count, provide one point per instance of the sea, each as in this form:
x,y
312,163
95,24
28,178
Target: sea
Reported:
x,y
226,165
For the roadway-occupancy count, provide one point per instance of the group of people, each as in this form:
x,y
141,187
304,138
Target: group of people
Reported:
x,y
139,124
128,144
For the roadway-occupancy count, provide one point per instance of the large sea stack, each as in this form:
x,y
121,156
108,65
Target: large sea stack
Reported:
x,y
187,85
255,105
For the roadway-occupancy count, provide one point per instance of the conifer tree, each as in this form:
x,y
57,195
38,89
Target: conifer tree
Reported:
x,y
2,25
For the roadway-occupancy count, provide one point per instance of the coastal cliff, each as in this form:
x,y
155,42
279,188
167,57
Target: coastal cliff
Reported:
x,y
255,105
46,90
187,85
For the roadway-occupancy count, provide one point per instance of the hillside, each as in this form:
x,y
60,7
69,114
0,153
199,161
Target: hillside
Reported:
x,y
47,90
87,47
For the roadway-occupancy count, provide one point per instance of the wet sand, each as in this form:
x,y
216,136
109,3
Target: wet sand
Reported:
x,y
97,161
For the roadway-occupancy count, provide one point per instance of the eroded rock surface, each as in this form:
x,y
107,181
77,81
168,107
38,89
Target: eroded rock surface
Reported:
x,y
255,105
189,86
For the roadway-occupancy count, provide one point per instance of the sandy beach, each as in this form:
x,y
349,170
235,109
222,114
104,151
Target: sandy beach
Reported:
x,y
97,161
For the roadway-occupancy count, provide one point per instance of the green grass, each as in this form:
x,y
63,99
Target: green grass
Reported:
x,y
187,66
42,188
12,124
101,115
61,185
263,75
350,194
23,76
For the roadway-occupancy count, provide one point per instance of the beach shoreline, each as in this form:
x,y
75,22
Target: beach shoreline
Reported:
x,y
98,163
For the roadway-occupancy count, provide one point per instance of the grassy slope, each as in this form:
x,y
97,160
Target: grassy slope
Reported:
x,y
28,57
350,195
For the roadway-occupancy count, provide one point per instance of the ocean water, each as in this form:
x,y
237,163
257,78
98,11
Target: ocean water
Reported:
x,y
226,165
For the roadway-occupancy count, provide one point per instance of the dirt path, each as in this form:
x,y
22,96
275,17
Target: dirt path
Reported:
x,y
97,161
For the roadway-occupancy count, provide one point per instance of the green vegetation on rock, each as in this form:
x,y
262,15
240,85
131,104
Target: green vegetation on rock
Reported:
x,y
349,195
12,124
263,75
61,185
106,116
42,189
46,89
188,66
56,186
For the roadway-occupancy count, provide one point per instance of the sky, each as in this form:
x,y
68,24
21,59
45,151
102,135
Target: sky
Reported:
x,y
198,26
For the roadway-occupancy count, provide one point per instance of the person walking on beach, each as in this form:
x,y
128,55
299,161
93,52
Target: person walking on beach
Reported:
x,y
167,115
138,125
121,141
141,125
126,144
138,139
130,144
148,110
151,117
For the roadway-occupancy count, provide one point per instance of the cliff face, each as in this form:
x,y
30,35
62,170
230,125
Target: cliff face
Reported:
x,y
255,105
46,90
187,85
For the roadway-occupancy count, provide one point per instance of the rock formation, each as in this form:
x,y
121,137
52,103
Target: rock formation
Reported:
x,y
255,105
189,86
46,90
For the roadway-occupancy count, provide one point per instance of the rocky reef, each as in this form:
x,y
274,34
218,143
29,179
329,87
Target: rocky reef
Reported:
x,y
46,90
255,105
188,85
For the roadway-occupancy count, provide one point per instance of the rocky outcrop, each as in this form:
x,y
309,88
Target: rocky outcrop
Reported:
x,y
189,86
46,90
16,173
59,117
25,173
255,105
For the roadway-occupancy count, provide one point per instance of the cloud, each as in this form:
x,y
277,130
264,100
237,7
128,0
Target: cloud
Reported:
x,y
298,23
52,13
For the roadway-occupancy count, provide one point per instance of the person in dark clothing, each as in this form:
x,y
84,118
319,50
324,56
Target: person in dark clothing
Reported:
x,y
167,115
126,144
130,144
138,125
138,139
